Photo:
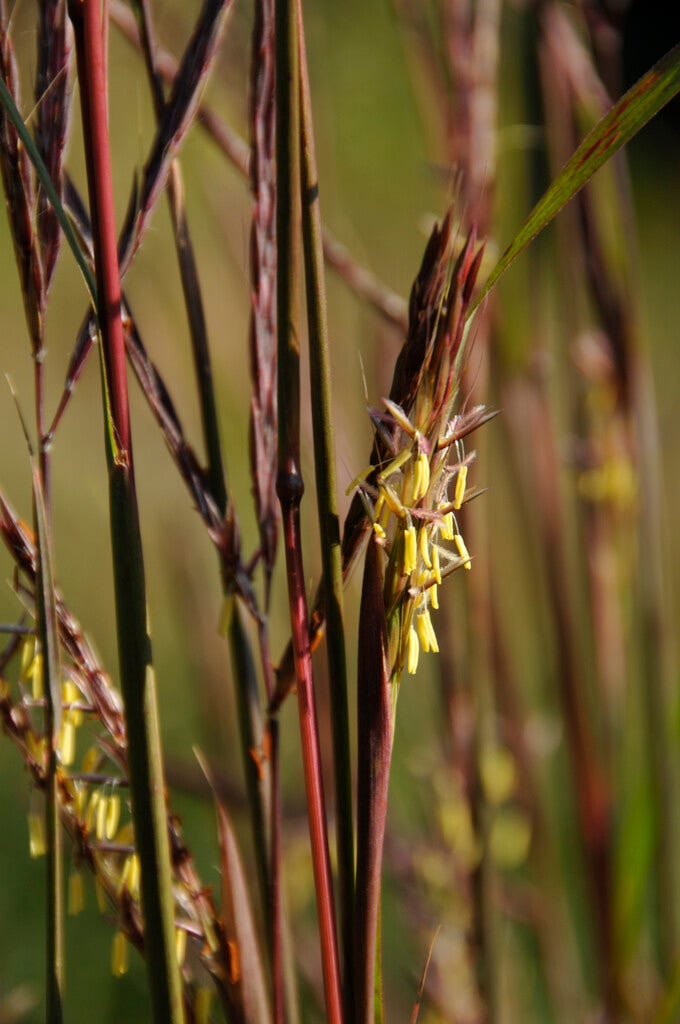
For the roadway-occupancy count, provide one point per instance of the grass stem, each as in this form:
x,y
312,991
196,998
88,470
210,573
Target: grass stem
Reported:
x,y
134,646
326,489
289,483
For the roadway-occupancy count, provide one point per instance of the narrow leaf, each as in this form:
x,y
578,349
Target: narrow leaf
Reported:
x,y
374,755
632,112
423,977
248,972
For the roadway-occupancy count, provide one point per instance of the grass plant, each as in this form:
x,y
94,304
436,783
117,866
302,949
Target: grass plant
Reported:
x,y
518,838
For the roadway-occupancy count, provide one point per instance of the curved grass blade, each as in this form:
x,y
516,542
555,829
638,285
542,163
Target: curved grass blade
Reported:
x,y
48,187
625,119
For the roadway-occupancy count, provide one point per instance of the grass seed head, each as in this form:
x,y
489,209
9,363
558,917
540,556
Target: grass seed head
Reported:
x,y
414,489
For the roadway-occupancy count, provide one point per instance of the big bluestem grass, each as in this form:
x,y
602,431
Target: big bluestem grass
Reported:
x,y
497,848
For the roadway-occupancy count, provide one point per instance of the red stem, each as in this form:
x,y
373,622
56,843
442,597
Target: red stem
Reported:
x,y
92,67
311,759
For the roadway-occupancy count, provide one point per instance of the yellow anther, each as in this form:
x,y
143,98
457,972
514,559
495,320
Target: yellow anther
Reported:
x,y
379,506
91,815
434,596
80,799
418,480
37,746
378,531
424,547
435,564
76,893
119,955
66,743
447,526
91,760
180,945
410,549
27,655
426,632
459,492
70,694
130,875
412,652
408,485
37,844
69,691
134,875
462,551
35,674
112,816
434,646
102,814
423,634
422,477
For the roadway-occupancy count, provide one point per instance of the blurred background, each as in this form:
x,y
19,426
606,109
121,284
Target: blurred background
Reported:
x,y
394,112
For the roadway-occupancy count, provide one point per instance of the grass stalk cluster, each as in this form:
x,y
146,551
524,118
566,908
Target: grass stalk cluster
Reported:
x,y
507,815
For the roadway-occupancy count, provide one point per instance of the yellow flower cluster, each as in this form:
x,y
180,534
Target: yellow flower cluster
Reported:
x,y
412,512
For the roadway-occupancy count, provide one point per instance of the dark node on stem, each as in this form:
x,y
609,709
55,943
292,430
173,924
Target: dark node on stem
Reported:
x,y
289,484
312,193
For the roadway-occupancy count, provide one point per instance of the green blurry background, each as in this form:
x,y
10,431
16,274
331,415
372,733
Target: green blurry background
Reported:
x,y
382,181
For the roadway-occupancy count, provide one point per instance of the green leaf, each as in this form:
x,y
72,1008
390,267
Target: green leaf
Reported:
x,y
49,188
625,119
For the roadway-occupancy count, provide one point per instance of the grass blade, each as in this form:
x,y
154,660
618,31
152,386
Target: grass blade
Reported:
x,y
49,645
375,724
619,126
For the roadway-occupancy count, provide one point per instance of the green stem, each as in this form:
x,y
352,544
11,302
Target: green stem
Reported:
x,y
326,490
149,810
47,631
289,483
